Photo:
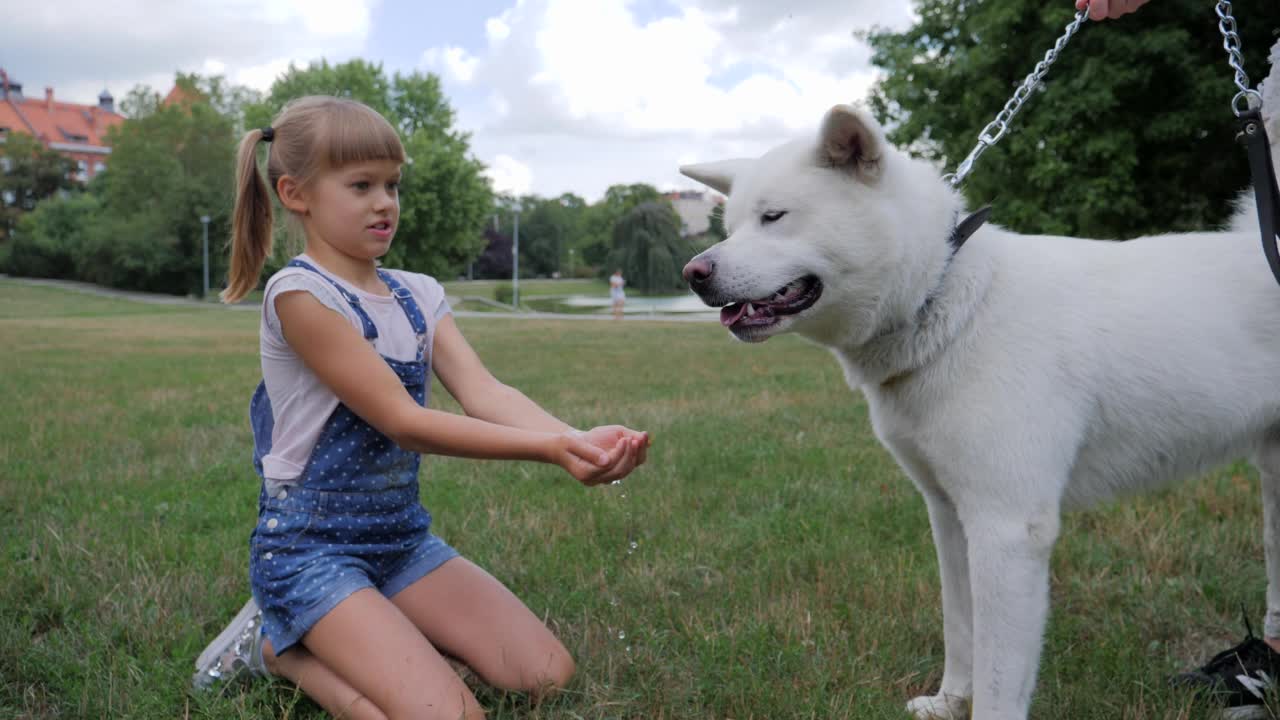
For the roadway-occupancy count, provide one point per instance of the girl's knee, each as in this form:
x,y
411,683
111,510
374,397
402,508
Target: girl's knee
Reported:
x,y
564,670
554,676
461,706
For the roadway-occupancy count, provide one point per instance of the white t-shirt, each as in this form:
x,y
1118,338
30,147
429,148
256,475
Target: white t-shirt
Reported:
x,y
300,403
616,283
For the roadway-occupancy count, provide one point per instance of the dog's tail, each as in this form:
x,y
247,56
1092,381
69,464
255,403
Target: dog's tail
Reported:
x,y
1246,216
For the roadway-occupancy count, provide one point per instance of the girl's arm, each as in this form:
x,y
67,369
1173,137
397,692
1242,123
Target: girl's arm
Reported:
x,y
483,396
349,366
479,393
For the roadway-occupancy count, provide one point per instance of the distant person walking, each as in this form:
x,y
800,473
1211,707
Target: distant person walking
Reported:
x,y
616,293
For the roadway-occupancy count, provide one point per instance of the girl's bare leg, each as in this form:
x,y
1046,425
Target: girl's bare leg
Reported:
x,y
465,612
369,644
320,683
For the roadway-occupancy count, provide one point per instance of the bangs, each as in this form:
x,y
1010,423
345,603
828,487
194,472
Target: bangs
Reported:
x,y
355,134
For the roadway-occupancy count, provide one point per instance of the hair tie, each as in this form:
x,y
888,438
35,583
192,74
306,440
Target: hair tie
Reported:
x,y
268,133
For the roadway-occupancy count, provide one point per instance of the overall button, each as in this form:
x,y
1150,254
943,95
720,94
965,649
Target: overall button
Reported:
x,y
272,523
268,556
283,494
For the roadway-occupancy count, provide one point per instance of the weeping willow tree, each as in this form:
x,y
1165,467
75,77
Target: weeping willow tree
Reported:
x,y
649,249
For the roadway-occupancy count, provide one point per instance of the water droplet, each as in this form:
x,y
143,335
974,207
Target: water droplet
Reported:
x,y
628,648
622,635
634,544
613,601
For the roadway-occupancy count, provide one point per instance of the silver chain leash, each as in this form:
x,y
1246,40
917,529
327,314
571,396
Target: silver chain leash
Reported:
x,y
1000,125
1231,43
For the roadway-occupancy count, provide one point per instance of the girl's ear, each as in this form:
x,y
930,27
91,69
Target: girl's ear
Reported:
x,y
291,195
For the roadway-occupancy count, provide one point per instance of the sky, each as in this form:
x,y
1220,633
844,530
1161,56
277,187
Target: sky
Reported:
x,y
557,95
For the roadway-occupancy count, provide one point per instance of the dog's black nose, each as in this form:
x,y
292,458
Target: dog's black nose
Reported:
x,y
698,272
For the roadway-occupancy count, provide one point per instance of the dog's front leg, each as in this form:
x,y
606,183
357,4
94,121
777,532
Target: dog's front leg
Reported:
x,y
952,701
1009,549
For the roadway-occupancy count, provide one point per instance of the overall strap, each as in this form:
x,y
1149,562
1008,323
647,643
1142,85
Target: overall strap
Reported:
x,y
370,330
1265,187
407,303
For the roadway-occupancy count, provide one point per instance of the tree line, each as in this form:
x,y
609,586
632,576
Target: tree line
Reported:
x,y
1131,134
138,225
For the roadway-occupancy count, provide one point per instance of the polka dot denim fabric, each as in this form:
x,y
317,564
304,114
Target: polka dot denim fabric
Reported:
x,y
353,520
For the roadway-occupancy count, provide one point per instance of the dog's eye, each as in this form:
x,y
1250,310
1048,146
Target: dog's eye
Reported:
x,y
772,216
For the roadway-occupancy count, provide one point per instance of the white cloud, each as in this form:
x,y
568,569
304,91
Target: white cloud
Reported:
x,y
78,46
712,77
497,29
455,62
261,76
558,95
328,18
509,175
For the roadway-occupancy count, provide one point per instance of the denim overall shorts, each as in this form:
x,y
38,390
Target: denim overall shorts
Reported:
x,y
353,519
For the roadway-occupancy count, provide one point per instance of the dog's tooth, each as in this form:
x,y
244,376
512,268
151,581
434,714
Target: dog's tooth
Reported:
x,y
750,310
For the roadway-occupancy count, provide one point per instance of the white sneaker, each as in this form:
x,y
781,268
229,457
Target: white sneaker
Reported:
x,y
236,652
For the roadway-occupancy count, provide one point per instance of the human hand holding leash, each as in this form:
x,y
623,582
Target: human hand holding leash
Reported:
x,y
1109,9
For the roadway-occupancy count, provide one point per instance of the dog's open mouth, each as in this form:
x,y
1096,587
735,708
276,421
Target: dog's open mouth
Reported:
x,y
787,300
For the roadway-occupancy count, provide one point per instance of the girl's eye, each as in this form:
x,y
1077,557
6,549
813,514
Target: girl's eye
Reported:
x,y
360,185
772,216
393,187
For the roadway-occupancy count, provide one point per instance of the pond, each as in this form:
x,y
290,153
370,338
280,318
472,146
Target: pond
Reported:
x,y
637,305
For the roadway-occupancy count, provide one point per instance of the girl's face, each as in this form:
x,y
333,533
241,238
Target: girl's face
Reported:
x,y
354,209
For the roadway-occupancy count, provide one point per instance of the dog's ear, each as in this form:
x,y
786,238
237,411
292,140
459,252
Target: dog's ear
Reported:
x,y
716,175
850,138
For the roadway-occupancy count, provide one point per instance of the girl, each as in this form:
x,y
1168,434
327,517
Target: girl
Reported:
x,y
360,602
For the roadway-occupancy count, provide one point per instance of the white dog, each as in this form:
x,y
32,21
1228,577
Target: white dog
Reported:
x,y
1012,378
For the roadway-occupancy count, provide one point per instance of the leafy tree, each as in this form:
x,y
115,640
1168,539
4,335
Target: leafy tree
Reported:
x,y
548,229
1131,134
648,247
51,238
603,216
715,220
140,102
444,199
167,170
229,100
29,173
500,226
139,227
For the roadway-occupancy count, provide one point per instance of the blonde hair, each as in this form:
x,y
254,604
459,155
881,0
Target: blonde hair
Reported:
x,y
310,135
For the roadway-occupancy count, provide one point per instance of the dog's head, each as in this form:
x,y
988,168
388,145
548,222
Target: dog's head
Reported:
x,y
820,235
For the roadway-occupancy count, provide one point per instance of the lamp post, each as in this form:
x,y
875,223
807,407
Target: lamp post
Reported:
x,y
515,259
204,245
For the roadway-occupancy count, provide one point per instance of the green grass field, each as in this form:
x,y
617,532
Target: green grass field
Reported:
x,y
784,567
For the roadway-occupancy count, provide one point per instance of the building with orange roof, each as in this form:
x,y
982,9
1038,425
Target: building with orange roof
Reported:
x,y
182,95
77,131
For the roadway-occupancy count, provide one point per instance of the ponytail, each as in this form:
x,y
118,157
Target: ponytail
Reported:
x,y
250,223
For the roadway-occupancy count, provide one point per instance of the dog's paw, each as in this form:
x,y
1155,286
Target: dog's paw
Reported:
x,y
939,707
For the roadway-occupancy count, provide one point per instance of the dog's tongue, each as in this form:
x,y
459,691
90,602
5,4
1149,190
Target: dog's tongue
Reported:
x,y
730,314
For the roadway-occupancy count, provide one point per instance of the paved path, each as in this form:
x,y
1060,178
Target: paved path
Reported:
x,y
162,299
